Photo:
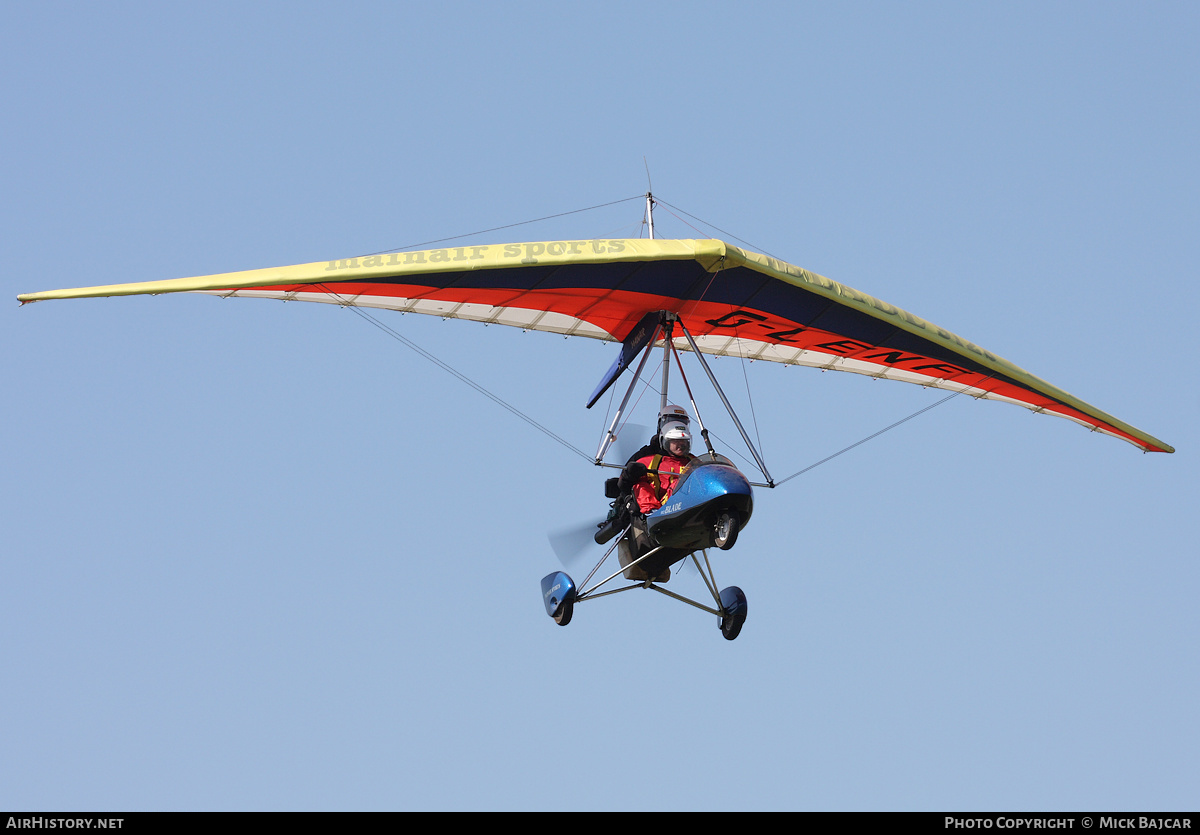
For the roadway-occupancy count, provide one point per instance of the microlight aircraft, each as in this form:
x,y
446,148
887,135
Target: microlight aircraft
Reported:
x,y
703,296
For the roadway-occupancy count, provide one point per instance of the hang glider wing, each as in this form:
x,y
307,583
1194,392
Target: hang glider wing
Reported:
x,y
735,303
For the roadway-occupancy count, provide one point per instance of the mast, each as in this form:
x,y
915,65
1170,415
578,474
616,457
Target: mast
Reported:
x,y
650,213
668,330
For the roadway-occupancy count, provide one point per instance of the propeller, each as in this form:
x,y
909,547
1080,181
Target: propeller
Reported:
x,y
630,440
571,543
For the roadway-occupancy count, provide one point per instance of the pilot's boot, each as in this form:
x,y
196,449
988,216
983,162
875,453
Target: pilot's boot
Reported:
x,y
625,557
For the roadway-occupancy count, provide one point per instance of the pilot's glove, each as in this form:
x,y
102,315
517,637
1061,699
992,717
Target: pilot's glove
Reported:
x,y
634,472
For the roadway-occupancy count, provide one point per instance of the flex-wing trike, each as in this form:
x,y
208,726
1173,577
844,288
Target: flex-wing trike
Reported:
x,y
710,504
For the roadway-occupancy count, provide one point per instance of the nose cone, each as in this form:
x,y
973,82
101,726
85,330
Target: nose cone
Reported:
x,y
720,487
719,478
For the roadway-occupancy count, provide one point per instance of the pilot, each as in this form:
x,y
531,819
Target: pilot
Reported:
x,y
652,489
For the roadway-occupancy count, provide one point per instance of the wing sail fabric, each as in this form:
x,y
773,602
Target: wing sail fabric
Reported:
x,y
735,303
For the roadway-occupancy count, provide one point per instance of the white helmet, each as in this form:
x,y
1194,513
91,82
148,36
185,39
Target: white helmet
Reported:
x,y
675,430
672,413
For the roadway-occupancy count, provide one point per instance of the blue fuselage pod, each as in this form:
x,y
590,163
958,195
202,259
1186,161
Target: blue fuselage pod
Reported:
x,y
704,492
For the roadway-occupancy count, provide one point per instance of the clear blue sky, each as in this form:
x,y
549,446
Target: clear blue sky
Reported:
x,y
260,556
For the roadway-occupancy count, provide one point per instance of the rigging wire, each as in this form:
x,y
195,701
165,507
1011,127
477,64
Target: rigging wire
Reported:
x,y
695,229
920,411
449,368
750,398
714,226
506,226
733,450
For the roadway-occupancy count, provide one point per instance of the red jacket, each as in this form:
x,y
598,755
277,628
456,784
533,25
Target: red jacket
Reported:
x,y
654,489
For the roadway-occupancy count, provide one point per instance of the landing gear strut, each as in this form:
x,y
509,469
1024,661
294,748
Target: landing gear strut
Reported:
x,y
560,594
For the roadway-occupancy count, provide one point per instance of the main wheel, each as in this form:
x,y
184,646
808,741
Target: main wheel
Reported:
x,y
733,604
725,530
567,608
